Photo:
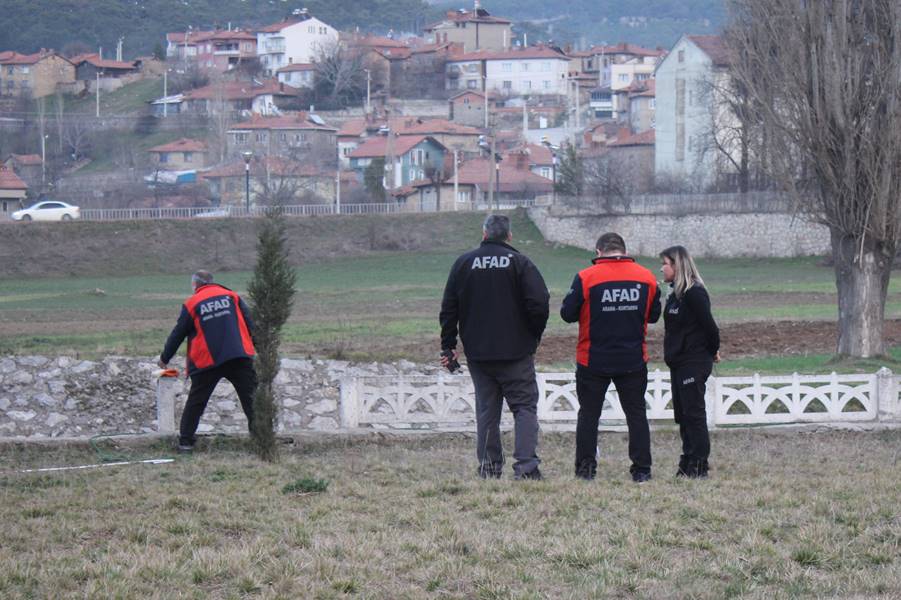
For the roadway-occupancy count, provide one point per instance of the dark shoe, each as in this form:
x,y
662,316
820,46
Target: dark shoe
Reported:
x,y
586,469
534,475
489,471
683,467
696,469
641,476
185,448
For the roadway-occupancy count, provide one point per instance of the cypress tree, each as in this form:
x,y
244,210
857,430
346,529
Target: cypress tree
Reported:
x,y
272,293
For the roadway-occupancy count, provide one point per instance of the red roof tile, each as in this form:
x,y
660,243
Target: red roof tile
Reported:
x,y
14,58
468,16
646,88
182,145
623,48
523,53
224,35
192,37
276,27
512,179
297,67
378,145
537,153
27,159
237,90
10,181
434,127
295,121
101,63
714,47
645,138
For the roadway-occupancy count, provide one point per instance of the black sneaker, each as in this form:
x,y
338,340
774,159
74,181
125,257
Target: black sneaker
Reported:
x,y
641,477
587,469
185,448
534,475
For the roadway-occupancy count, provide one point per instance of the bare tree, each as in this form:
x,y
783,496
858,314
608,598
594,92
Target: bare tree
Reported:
x,y
827,76
340,79
437,176
77,137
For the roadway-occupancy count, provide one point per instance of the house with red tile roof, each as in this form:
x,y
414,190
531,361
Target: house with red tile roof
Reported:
x,y
474,29
298,75
182,154
407,157
290,181
286,135
34,75
251,96
224,49
508,182
28,167
90,66
12,191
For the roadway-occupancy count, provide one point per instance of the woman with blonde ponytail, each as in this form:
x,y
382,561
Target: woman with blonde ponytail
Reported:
x,y
690,347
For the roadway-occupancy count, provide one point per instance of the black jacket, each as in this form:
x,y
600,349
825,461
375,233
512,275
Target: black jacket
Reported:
x,y
691,333
499,301
613,300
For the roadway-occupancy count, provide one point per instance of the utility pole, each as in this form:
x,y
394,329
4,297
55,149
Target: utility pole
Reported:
x,y
368,87
98,94
485,91
43,161
456,181
165,91
338,185
492,174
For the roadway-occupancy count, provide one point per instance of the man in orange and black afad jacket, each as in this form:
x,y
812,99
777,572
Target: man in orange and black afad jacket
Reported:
x,y
613,300
219,329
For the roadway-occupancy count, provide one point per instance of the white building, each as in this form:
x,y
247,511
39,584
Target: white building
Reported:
x,y
299,75
623,75
296,39
686,110
533,70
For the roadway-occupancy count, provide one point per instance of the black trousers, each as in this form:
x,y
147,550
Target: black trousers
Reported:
x,y
239,372
590,389
689,384
514,380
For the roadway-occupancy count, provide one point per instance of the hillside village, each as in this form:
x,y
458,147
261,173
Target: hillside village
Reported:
x,y
461,115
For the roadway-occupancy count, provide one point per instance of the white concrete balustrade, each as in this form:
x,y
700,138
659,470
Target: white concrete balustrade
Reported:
x,y
447,401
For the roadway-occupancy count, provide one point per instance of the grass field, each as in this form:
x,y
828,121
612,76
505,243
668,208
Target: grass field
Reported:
x,y
383,305
785,515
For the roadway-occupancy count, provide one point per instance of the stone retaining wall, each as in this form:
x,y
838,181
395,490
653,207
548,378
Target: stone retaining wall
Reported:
x,y
708,235
67,397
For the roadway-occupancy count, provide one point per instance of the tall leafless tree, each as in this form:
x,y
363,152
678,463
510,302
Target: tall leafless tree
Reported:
x,y
827,74
340,78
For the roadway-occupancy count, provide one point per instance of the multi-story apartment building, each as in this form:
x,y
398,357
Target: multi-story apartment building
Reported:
x,y
296,39
474,29
33,75
532,70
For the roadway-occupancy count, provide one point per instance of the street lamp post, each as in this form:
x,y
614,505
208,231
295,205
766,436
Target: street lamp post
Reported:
x,y
497,184
44,160
247,155
368,86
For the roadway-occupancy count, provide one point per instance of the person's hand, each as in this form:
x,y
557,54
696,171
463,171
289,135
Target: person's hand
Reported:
x,y
716,357
445,360
161,364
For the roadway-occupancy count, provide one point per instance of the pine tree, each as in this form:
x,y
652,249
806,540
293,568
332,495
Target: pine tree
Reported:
x,y
272,293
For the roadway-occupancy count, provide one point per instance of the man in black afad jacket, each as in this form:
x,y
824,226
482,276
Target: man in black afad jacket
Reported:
x,y
498,300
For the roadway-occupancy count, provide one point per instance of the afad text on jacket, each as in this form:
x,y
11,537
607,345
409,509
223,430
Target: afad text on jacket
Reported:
x,y
218,326
613,300
498,300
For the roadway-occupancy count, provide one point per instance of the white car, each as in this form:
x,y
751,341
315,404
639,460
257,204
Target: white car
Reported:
x,y
49,210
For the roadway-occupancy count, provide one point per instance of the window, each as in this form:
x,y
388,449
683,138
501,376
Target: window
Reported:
x,y
525,66
546,84
546,172
261,137
472,84
525,85
300,137
624,77
653,103
10,70
680,141
283,137
311,29
25,69
546,65
508,85
681,56
463,196
240,138
164,157
188,157
507,67
642,76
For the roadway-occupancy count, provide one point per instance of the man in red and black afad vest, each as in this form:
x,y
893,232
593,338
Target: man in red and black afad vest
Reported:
x,y
613,300
218,326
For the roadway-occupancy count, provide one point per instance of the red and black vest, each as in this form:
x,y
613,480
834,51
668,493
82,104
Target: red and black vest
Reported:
x,y
220,332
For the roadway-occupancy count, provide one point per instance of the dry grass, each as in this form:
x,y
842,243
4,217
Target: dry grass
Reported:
x,y
786,515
